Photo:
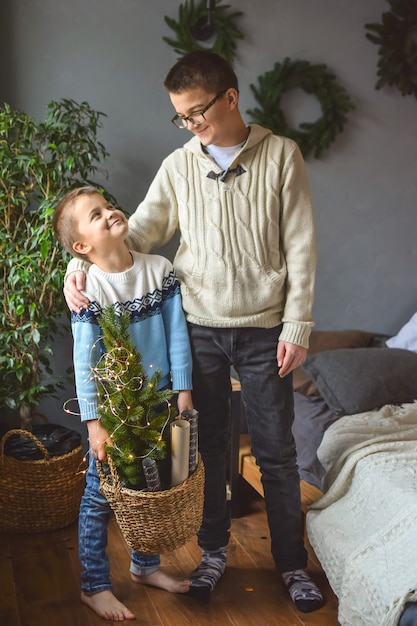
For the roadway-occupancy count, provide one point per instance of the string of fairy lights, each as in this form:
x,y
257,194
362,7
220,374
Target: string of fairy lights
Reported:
x,y
112,367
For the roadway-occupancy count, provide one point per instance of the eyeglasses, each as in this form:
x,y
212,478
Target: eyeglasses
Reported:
x,y
197,117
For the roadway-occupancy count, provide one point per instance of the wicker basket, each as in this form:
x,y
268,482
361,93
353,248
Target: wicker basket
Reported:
x,y
156,522
42,495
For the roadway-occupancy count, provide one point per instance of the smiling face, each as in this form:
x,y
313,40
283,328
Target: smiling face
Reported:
x,y
219,125
100,227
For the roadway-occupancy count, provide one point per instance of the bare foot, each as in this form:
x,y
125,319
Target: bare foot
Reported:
x,y
163,581
106,605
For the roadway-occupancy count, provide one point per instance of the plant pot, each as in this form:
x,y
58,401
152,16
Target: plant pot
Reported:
x,y
40,494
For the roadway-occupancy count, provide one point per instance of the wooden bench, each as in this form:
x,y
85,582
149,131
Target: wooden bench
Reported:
x,y
251,473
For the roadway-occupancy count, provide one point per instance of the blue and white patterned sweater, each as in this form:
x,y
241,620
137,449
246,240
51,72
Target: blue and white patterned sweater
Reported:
x,y
150,292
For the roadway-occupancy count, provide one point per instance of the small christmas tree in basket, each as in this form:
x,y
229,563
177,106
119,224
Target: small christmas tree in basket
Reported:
x,y
136,480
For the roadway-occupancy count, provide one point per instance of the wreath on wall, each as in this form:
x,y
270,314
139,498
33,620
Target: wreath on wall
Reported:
x,y
317,80
197,23
397,40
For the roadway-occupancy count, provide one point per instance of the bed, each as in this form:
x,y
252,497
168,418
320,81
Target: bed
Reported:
x,y
355,429
364,528
356,436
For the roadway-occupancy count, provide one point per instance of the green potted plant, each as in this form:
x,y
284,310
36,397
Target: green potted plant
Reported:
x,y
38,163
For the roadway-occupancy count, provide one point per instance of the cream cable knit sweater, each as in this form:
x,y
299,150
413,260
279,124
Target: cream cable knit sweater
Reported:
x,y
247,251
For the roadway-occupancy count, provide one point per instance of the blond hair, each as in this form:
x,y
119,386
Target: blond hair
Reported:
x,y
63,221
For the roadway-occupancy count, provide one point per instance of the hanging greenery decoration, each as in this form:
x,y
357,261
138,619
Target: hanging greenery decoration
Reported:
x,y
219,23
396,37
317,80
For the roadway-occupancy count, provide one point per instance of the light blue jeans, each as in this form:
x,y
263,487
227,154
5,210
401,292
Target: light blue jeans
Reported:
x,y
94,517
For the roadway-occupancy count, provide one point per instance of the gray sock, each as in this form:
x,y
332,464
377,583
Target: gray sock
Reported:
x,y
205,577
304,593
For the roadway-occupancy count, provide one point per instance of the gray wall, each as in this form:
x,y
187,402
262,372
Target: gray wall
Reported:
x,y
111,53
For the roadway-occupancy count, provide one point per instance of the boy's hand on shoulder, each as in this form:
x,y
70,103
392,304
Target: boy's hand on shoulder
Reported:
x,y
76,300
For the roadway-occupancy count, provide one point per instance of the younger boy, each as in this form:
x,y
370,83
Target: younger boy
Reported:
x,y
90,228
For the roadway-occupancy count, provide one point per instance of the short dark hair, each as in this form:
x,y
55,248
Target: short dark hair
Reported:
x,y
63,222
201,68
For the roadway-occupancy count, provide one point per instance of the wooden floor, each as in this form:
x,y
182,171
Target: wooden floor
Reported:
x,y
39,582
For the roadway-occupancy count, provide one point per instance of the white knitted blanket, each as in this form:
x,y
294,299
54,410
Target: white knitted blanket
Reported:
x,y
364,528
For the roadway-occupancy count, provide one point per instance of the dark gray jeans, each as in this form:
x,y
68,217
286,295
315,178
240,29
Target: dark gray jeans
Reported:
x,y
269,406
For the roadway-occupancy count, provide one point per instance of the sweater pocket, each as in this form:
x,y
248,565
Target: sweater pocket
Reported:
x,y
277,277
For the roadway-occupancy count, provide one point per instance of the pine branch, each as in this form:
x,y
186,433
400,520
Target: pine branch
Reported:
x,y
131,404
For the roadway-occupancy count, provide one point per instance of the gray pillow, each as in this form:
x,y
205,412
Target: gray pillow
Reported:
x,y
361,379
312,417
323,340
